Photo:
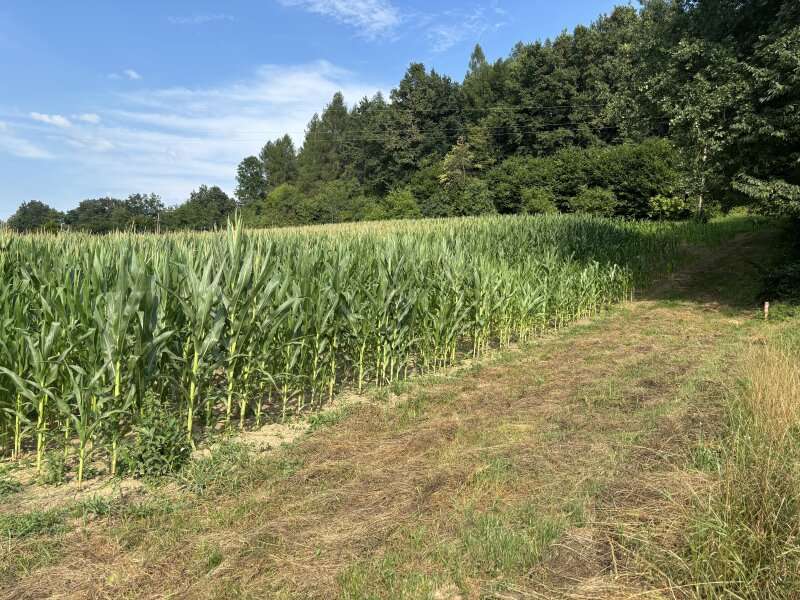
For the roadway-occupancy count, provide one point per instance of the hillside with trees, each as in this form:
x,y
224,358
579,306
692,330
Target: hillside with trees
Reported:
x,y
677,108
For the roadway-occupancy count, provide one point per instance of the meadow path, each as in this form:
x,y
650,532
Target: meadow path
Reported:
x,y
526,475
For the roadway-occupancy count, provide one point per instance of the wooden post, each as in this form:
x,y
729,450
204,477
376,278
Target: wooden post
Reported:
x,y
766,311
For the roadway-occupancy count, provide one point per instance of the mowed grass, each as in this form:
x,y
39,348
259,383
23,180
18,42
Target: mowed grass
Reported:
x,y
577,466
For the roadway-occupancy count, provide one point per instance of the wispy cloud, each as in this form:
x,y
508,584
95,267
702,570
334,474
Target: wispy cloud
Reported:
x,y
377,18
171,140
88,118
19,147
200,19
126,74
450,28
57,120
370,17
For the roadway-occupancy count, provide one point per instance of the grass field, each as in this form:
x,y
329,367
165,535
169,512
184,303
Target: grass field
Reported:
x,y
649,451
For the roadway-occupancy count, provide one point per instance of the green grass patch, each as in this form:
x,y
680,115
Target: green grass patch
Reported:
x,y
23,525
741,537
508,543
8,485
208,557
328,418
228,468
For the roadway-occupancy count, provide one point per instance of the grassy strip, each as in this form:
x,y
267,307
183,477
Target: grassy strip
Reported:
x,y
741,538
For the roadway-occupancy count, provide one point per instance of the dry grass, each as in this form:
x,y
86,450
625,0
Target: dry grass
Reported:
x,y
727,524
773,395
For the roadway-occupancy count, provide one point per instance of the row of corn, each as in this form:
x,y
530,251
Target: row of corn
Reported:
x,y
238,328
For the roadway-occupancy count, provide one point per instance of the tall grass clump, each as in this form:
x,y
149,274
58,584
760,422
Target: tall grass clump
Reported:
x,y
233,328
743,538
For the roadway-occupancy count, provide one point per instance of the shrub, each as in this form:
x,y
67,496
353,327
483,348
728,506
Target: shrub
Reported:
x,y
595,201
55,468
783,283
635,172
285,205
538,200
508,180
473,199
401,204
670,208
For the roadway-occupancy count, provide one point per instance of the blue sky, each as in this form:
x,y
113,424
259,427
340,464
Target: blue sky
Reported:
x,y
109,98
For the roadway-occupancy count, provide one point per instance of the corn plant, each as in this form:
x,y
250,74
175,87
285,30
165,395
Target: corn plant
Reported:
x,y
101,335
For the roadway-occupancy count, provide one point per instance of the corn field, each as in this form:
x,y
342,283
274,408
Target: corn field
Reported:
x,y
239,328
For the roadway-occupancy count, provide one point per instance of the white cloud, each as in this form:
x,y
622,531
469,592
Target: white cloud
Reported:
x,y
92,118
200,19
370,17
172,140
56,120
126,74
450,28
16,146
444,29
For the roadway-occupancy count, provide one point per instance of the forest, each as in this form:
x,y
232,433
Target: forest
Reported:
x,y
674,109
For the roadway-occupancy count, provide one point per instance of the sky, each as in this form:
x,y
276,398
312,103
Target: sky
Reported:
x,y
102,98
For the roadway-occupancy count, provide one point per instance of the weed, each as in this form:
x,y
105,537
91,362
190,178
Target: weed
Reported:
x,y
31,523
327,418
159,446
8,485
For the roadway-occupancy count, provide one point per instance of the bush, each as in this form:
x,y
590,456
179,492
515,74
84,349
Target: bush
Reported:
x,y
595,201
159,446
634,172
783,283
670,208
285,205
509,179
538,200
55,468
473,199
401,204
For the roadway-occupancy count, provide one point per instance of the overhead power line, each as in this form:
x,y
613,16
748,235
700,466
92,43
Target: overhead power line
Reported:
x,y
499,129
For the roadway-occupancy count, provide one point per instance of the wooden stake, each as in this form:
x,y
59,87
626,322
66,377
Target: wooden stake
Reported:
x,y
766,311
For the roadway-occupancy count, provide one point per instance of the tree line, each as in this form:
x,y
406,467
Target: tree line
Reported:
x,y
677,108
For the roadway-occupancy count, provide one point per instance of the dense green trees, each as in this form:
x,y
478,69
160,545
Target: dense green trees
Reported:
x,y
653,113
207,208
727,75
658,112
251,181
140,212
35,216
633,172
274,166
